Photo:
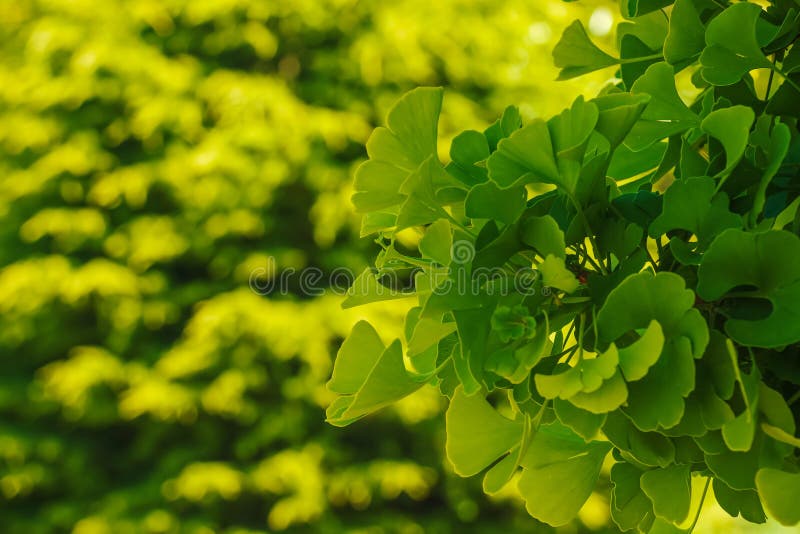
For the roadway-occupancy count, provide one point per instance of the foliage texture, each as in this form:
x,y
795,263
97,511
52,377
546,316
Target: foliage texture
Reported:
x,y
619,283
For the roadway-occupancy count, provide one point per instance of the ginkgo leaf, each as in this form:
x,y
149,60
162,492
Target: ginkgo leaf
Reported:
x,y
636,8
670,490
560,472
408,139
776,147
427,333
665,114
732,48
421,205
477,434
503,471
691,204
387,382
646,448
437,242
629,505
767,262
367,289
467,149
488,201
356,357
525,156
732,127
618,113
745,503
583,422
686,37
638,357
575,53
778,491
544,235
555,274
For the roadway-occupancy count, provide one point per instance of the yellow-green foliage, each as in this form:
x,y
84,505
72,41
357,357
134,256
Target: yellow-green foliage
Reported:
x,y
153,154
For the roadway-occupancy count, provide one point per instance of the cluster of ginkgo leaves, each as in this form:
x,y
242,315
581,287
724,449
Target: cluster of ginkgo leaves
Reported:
x,y
632,270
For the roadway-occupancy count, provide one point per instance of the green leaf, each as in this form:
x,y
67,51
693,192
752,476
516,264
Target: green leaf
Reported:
x,y
560,472
665,115
607,398
686,36
386,383
732,127
467,149
575,54
775,147
767,261
476,434
618,113
437,242
638,357
657,399
625,163
366,289
629,505
408,139
778,491
735,502
636,8
774,410
507,124
526,156
570,131
427,333
544,235
473,331
377,186
356,357
594,385
643,297
691,204
488,201
670,490
555,274
631,49
421,205
647,448
512,323
529,354
732,49
583,422
739,432
503,471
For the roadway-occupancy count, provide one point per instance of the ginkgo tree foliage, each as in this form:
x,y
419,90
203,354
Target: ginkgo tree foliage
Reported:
x,y
619,284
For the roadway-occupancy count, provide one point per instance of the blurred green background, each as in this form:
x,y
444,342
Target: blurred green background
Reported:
x,y
156,153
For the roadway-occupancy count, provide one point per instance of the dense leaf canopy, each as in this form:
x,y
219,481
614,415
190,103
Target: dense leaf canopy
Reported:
x,y
656,230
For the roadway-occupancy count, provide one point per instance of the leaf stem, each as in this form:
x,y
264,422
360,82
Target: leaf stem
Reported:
x,y
563,352
537,420
589,233
700,506
794,398
769,84
640,59
461,226
441,366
